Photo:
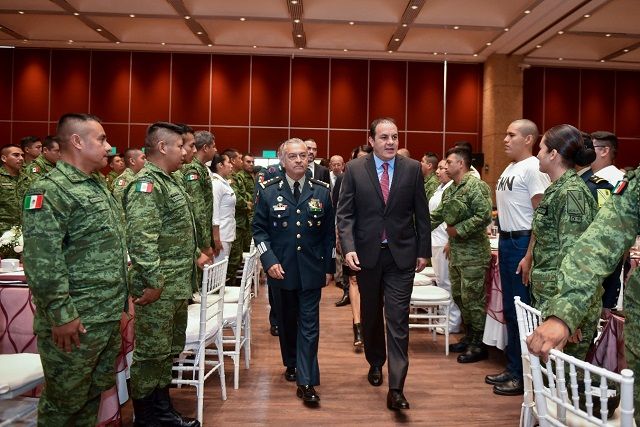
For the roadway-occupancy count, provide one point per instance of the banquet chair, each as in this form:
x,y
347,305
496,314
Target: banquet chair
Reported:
x,y
232,293
559,404
204,328
19,373
237,319
425,277
430,310
528,319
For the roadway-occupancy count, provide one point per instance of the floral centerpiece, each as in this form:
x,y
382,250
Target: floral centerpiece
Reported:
x,y
11,243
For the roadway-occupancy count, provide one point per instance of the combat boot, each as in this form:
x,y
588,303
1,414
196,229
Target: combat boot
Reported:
x,y
475,352
461,346
143,412
166,414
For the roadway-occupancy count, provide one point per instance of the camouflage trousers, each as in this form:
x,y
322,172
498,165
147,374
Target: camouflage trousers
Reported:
x,y
467,289
632,334
160,336
75,380
240,245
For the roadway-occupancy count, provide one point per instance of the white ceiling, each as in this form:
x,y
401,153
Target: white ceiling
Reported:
x,y
591,33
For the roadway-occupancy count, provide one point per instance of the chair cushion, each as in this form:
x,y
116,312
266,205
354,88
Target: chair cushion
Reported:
x,y
421,280
17,370
429,293
428,271
231,311
193,323
231,293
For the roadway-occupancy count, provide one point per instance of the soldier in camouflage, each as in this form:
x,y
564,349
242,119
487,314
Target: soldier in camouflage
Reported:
x,y
429,165
12,160
76,267
466,209
41,166
117,165
250,187
162,246
134,159
31,147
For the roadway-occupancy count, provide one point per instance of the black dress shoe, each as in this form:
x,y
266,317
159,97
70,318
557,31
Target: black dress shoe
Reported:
x,y
274,330
474,353
396,400
459,347
308,394
375,376
513,387
290,374
500,378
344,300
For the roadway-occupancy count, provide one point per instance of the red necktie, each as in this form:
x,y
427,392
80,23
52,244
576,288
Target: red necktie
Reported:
x,y
384,186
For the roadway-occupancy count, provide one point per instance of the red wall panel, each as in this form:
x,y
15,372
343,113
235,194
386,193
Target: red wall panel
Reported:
x,y
561,97
452,138
230,90
310,92
228,137
318,135
270,91
31,84
22,129
464,93
110,77
628,153
118,136
387,90
420,143
532,95
349,94
342,142
426,96
6,77
137,134
267,138
628,104
597,100
70,75
150,86
5,133
190,88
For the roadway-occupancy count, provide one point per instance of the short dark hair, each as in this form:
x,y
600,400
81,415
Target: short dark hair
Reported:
x,y
49,142
7,146
129,153
608,138
28,141
66,121
376,122
231,153
185,128
156,132
360,148
465,144
247,155
463,153
431,158
203,138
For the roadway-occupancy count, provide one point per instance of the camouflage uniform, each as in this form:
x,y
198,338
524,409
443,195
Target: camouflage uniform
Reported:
x,y
198,185
9,202
31,172
592,258
162,247
250,188
430,185
111,179
76,268
467,206
564,212
121,184
243,226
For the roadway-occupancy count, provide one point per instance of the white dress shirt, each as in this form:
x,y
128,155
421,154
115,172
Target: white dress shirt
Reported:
x,y
224,208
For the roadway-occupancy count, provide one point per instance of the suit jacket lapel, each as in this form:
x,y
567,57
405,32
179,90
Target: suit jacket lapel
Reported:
x,y
373,175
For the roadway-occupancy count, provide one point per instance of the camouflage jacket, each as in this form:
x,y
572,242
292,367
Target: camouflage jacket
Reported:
x,y
197,183
31,172
239,186
9,202
74,249
111,179
565,211
160,234
430,185
121,183
594,256
467,206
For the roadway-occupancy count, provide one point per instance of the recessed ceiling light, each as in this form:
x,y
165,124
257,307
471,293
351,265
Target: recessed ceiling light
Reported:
x,y
445,53
98,29
602,60
587,16
527,12
390,51
301,48
626,50
199,33
187,17
435,53
396,39
298,35
506,29
132,16
21,12
607,35
76,14
243,19
414,7
538,46
475,54
254,46
456,28
561,32
352,23
294,1
70,41
405,25
297,21
346,50
560,59
209,45
488,43
163,43
117,42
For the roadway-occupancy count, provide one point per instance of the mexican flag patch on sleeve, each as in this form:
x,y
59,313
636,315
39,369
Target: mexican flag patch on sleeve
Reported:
x,y
33,201
144,187
193,177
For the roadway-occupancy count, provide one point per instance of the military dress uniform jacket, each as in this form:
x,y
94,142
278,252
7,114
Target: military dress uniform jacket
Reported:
x,y
39,167
9,202
197,183
565,211
160,235
74,249
467,206
300,236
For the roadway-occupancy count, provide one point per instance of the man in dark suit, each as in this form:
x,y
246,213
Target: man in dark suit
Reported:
x,y
293,229
384,230
317,171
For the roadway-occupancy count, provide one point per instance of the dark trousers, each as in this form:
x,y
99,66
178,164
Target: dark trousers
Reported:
x,y
298,317
385,290
510,253
273,321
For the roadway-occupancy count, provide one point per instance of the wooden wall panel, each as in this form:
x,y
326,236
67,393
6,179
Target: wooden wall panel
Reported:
x,y
342,142
5,133
6,83
110,77
118,136
228,137
270,91
70,77
150,86
349,94
320,136
190,88
452,138
420,143
464,93
230,90
31,84
628,104
137,134
628,152
425,98
562,97
266,139
22,129
597,100
310,92
387,91
533,95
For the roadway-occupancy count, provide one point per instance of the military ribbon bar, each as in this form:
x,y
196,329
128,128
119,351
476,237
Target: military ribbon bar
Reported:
x,y
144,187
33,202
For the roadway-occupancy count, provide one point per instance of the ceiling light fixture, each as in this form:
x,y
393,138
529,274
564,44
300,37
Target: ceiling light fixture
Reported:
x,y
209,45
300,48
117,42
602,60
294,1
488,43
456,27
538,46
187,17
560,59
297,21
506,29
298,35
345,50
626,50
132,16
254,46
98,29
390,51
587,16
352,23
163,43
561,32
199,33
526,12
396,39
70,41
475,54
76,14
21,12
404,25
607,35
414,7
243,19
435,53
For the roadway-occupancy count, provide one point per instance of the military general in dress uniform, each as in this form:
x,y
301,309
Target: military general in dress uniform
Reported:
x,y
76,267
293,229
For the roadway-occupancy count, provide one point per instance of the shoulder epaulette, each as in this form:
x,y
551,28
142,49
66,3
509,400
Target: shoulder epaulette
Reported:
x,y
597,179
271,182
317,181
